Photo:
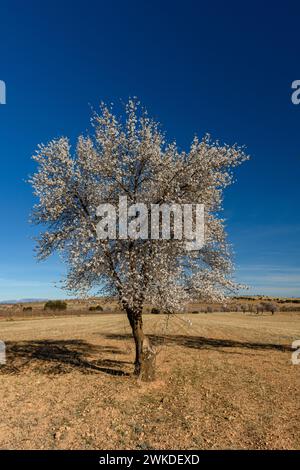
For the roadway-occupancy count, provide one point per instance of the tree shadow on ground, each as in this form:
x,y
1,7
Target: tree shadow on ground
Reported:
x,y
54,357
202,342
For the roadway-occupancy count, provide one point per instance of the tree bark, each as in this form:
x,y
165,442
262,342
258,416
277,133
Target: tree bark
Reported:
x,y
145,355
136,323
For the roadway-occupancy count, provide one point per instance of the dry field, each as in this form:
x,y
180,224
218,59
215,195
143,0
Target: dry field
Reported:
x,y
224,382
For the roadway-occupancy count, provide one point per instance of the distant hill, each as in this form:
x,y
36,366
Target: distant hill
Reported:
x,y
21,301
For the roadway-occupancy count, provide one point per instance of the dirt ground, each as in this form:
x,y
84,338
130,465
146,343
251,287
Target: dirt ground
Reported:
x,y
225,381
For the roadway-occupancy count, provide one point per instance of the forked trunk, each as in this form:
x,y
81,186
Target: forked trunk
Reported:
x,y
145,355
136,323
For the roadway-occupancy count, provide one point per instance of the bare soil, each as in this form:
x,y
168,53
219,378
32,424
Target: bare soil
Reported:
x,y
224,382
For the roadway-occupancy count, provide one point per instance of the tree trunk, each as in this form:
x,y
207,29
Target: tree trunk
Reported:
x,y
136,323
145,355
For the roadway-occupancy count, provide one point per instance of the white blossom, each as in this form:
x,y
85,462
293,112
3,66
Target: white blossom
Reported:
x,y
129,156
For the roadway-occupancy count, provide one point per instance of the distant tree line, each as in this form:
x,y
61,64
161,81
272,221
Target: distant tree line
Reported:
x,y
243,307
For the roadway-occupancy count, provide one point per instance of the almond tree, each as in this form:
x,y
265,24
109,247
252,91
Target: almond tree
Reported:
x,y
129,156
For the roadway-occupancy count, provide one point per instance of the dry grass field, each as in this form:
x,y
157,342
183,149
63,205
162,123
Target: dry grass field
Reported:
x,y
224,382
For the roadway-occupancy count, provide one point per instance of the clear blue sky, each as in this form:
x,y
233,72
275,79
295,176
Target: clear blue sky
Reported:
x,y
220,67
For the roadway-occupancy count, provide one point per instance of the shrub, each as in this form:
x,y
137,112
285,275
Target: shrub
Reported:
x,y
237,308
246,308
155,310
27,309
96,308
259,308
55,305
270,307
289,308
226,308
209,309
